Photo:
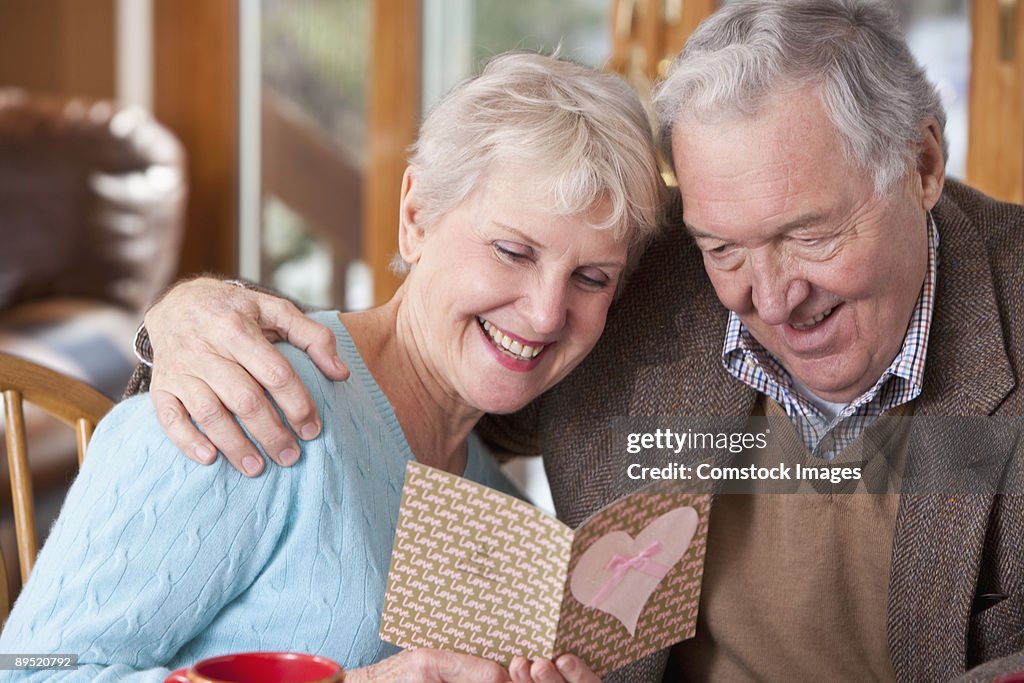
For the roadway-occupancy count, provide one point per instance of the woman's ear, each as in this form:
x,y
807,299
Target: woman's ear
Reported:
x,y
410,231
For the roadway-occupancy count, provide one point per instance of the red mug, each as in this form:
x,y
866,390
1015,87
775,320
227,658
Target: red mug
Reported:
x,y
261,667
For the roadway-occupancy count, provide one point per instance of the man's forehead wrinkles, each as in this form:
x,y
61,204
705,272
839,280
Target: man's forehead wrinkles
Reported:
x,y
801,221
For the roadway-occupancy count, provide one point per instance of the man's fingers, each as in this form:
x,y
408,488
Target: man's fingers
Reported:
x,y
179,428
574,670
544,671
565,669
519,670
454,667
211,352
268,367
219,425
245,398
315,339
430,666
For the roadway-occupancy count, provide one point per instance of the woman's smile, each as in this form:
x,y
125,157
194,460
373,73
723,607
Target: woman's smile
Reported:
x,y
514,346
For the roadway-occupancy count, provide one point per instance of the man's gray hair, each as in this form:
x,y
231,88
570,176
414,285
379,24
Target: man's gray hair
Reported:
x,y
852,51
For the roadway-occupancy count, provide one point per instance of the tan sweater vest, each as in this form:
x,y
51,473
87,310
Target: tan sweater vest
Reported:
x,y
796,584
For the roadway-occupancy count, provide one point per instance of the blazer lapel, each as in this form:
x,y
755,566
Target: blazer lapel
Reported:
x,y
682,375
939,537
968,371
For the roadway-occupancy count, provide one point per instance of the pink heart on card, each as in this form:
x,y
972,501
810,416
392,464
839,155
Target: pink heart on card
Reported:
x,y
618,573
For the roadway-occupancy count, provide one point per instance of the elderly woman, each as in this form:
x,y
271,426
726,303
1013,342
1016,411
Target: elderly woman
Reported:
x,y
531,188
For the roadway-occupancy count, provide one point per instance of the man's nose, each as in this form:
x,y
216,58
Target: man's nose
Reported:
x,y
775,289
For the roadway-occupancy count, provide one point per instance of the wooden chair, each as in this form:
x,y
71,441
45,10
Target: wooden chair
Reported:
x,y
69,400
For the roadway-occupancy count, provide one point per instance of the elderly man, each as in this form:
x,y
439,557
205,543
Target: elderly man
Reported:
x,y
848,279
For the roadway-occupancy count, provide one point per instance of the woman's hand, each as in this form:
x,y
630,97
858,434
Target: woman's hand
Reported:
x,y
564,669
430,666
213,358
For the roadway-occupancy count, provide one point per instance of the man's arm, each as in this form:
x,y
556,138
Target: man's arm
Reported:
x,y
512,435
213,359
993,670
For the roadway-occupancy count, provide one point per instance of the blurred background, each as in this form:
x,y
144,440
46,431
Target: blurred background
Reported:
x,y
143,140
295,115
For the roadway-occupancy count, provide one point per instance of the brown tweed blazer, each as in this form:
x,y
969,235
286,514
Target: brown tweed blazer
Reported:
x,y
660,355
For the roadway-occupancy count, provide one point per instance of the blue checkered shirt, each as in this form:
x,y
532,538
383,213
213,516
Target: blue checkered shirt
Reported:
x,y
750,363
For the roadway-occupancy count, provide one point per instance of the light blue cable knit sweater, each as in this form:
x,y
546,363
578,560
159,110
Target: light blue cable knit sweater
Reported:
x,y
156,562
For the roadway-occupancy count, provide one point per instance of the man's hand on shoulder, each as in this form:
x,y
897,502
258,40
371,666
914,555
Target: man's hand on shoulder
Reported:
x,y
213,358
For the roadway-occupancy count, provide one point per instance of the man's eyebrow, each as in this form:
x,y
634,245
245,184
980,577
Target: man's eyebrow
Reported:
x,y
697,234
802,221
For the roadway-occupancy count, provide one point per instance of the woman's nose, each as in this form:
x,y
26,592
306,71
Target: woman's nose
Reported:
x,y
547,307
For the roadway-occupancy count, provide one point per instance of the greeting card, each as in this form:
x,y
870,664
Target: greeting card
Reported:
x,y
480,572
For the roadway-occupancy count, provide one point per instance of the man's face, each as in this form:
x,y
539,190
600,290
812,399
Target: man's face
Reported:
x,y
824,273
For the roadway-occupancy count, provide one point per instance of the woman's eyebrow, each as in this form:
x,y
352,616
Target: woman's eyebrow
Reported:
x,y
534,243
518,233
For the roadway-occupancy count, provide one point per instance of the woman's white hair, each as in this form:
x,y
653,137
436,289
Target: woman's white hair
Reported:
x,y
581,136
851,51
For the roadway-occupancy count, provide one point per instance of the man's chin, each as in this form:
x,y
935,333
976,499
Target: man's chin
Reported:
x,y
835,392
822,378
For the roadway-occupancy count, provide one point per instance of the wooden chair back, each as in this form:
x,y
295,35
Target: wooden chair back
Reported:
x,y
69,400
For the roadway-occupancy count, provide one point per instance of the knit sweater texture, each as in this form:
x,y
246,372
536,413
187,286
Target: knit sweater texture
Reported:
x,y
156,562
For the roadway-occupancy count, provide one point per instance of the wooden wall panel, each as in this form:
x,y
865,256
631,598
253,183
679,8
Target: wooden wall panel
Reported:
x,y
393,115
684,16
312,174
995,157
64,47
196,95
648,34
317,178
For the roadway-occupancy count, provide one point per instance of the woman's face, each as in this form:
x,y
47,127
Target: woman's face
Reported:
x,y
505,297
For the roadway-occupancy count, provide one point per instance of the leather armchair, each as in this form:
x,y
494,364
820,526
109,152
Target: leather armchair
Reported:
x,y
92,202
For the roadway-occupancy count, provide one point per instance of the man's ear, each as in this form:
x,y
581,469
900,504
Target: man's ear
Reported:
x,y
410,230
931,164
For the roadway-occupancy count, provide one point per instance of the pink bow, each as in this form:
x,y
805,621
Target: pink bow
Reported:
x,y
619,565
